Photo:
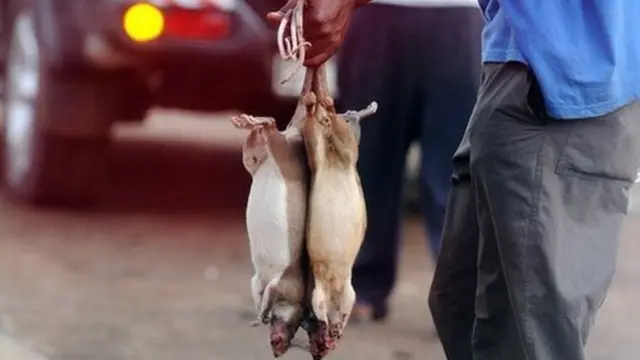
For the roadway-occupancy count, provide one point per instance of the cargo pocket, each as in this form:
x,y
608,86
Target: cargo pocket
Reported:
x,y
603,148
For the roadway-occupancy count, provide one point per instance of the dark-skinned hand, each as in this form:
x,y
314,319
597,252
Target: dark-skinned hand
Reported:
x,y
325,26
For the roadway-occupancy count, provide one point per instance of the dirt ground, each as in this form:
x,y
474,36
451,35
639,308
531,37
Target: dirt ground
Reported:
x,y
160,270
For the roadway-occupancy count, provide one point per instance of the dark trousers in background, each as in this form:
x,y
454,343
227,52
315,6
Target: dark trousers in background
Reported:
x,y
532,226
422,65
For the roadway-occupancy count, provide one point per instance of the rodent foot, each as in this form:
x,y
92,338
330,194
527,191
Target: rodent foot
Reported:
x,y
244,121
336,332
325,122
309,99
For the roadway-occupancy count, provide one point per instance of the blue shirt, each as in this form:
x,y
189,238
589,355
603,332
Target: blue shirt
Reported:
x,y
585,53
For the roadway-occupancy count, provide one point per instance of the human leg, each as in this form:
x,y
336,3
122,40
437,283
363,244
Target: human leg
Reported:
x,y
452,295
551,198
371,68
451,78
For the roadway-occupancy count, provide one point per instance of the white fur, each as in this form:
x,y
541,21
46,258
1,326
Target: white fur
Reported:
x,y
276,232
267,223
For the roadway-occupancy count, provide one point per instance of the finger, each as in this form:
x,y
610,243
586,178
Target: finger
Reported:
x,y
319,54
317,60
319,44
316,57
275,17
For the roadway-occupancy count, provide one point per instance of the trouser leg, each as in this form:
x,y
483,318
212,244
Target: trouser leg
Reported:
x,y
451,78
452,295
371,68
550,199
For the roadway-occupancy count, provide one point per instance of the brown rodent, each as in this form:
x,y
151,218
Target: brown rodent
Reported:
x,y
336,212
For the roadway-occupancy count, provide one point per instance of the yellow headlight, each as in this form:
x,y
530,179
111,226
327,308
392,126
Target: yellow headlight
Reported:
x,y
143,22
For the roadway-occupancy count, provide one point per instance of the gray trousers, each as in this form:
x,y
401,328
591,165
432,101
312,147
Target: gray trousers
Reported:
x,y
532,225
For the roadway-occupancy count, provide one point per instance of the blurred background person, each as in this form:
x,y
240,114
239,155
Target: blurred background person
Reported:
x,y
420,59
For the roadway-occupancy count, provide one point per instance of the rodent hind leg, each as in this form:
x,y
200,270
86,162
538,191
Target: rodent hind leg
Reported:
x,y
257,292
267,302
319,303
257,289
340,316
320,340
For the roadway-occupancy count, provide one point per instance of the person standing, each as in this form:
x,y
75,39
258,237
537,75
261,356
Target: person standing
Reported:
x,y
420,60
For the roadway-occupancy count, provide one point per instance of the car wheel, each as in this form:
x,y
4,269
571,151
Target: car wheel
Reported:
x,y
42,165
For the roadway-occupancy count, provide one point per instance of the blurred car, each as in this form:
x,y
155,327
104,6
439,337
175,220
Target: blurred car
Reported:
x,y
73,68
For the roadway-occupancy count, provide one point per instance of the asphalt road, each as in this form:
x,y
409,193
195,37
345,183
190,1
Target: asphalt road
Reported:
x,y
160,269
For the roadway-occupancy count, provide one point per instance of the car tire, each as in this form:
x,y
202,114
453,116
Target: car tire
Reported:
x,y
44,163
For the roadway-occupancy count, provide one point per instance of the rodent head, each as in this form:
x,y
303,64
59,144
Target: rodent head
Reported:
x,y
345,139
285,321
320,342
356,129
354,118
288,312
350,138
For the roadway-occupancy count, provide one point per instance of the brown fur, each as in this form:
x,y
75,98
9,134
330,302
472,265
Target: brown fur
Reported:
x,y
336,216
334,145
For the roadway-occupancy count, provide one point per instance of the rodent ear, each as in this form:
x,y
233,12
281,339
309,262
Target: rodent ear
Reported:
x,y
351,117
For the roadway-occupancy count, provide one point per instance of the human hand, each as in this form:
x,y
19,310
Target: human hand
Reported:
x,y
325,26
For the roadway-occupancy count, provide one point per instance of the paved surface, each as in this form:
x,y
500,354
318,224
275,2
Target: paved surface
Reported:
x,y
160,270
